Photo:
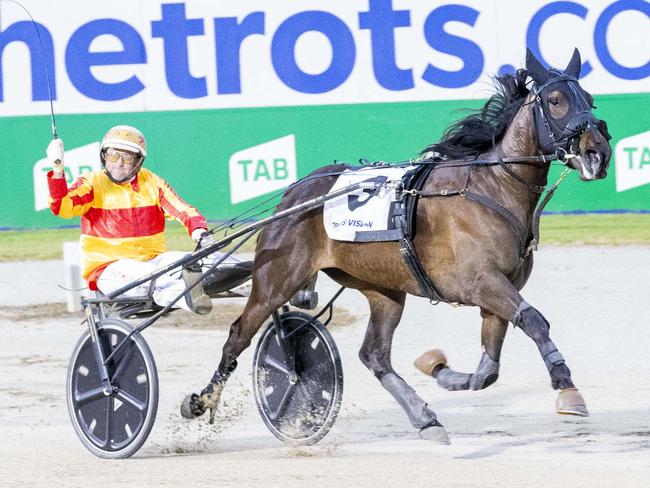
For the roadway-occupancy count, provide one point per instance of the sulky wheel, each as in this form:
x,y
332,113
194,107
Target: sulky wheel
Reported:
x,y
113,423
298,408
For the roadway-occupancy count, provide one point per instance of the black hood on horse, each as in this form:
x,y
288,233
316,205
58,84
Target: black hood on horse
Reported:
x,y
562,113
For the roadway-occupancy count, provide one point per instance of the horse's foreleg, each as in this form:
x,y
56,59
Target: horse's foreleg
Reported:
x,y
535,326
434,362
510,305
385,313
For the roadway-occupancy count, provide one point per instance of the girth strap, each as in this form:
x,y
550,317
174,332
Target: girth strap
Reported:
x,y
412,193
412,260
407,222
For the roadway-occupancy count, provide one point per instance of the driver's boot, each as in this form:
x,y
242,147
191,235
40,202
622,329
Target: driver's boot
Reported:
x,y
196,299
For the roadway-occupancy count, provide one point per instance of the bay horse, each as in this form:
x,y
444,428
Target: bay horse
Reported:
x,y
468,249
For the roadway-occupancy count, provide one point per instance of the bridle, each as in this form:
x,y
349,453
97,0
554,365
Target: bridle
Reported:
x,y
560,136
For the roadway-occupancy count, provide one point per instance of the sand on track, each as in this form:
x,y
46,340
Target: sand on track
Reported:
x,y
596,299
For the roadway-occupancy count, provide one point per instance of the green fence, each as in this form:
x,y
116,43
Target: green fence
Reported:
x,y
192,150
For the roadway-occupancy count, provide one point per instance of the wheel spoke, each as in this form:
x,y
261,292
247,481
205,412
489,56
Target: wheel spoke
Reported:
x,y
303,389
123,362
109,421
127,397
283,402
89,396
274,363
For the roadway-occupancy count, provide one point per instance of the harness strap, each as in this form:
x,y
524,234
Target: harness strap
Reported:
x,y
412,260
454,163
411,193
518,227
407,223
533,188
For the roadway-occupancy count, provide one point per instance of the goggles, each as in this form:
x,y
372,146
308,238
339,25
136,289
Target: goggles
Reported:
x,y
114,155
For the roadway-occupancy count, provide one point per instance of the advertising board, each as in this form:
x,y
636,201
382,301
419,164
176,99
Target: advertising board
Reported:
x,y
239,99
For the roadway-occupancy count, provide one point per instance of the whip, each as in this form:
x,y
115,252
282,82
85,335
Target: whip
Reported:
x,y
47,71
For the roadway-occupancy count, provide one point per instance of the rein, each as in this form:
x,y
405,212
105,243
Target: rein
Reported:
x,y
523,231
540,208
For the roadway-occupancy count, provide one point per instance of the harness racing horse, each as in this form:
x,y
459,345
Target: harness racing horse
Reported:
x,y
470,248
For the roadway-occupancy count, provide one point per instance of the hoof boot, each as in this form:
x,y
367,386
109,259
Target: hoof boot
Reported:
x,y
192,407
570,402
430,360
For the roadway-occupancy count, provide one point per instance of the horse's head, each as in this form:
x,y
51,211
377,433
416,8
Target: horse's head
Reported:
x,y
564,121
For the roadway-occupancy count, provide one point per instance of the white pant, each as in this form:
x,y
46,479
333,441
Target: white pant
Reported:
x,y
166,288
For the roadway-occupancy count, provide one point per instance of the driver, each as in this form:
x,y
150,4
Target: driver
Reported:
x,y
123,209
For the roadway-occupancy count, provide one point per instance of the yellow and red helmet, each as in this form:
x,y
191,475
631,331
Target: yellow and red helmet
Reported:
x,y
126,138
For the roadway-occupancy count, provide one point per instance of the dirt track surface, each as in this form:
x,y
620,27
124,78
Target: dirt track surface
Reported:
x,y
508,435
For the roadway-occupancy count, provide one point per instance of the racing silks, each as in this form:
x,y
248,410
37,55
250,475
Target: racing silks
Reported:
x,y
118,221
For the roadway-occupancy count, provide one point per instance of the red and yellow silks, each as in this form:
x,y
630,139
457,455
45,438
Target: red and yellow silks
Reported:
x,y
120,220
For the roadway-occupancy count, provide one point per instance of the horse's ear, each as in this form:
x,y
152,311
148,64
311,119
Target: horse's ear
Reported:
x,y
535,69
574,66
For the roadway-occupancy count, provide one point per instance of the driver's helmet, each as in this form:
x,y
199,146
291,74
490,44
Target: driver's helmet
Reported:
x,y
126,138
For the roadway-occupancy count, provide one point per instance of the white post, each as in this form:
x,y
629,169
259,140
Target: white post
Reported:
x,y
72,279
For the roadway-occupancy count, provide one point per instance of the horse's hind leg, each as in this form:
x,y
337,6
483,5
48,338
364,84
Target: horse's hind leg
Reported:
x,y
272,287
241,333
434,362
385,312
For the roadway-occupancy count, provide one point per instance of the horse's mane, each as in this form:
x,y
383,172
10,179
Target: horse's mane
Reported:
x,y
479,131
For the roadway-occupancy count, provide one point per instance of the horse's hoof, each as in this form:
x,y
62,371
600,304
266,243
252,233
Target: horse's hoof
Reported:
x,y
428,361
210,397
192,407
436,434
570,402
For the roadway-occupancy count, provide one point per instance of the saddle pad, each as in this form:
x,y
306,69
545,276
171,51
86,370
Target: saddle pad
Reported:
x,y
365,215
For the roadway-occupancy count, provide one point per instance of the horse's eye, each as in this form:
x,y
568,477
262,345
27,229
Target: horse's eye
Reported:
x,y
553,100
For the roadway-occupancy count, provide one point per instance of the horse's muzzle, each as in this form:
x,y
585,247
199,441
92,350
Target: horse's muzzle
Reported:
x,y
592,161
592,165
